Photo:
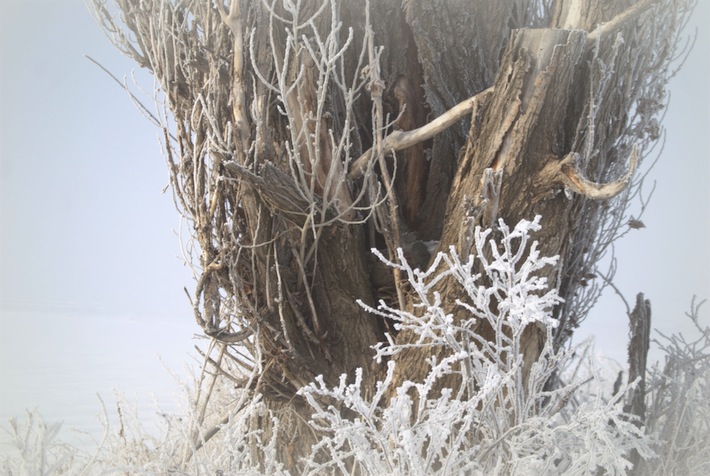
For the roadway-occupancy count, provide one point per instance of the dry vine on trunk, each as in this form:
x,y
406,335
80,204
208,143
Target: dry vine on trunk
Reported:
x,y
300,134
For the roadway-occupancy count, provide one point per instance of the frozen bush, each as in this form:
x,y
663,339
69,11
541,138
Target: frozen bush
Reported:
x,y
501,419
498,421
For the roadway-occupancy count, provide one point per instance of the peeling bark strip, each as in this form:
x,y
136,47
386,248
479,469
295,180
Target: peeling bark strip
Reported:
x,y
519,131
285,122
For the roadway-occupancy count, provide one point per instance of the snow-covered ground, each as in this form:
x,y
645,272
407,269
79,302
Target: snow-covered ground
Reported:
x,y
59,362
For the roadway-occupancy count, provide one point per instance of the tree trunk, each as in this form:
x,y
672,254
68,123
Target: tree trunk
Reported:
x,y
300,138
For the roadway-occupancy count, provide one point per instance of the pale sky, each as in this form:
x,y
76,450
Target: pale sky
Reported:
x,y
84,226
669,260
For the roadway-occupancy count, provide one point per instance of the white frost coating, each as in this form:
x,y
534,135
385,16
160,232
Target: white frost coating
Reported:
x,y
520,295
493,423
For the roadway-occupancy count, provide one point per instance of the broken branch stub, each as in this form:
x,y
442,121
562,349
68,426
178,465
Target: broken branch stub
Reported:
x,y
572,178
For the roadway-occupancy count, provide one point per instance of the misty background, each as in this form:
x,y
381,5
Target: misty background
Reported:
x,y
91,268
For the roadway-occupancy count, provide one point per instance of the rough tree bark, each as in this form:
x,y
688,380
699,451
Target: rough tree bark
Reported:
x,y
639,342
299,135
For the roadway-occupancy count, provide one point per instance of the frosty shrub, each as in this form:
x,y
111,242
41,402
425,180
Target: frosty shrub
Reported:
x,y
678,403
39,451
497,421
128,447
501,419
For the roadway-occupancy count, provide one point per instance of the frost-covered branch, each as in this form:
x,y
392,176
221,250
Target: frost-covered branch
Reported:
x,y
498,425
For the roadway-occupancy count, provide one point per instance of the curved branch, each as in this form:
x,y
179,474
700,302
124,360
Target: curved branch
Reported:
x,y
575,181
399,140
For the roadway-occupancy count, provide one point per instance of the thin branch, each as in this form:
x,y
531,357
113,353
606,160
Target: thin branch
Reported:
x,y
133,97
616,23
399,140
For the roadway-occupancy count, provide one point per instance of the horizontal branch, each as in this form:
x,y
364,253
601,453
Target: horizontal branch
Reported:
x,y
399,140
572,177
223,335
619,21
